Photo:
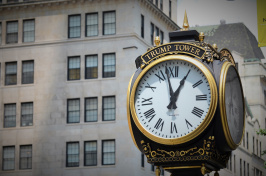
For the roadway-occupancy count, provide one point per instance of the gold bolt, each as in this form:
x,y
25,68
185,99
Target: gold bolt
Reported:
x,y
157,41
201,36
215,46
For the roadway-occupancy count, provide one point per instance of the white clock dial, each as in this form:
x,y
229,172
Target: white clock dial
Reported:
x,y
175,107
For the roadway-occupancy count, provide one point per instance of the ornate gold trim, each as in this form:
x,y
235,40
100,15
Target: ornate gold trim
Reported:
x,y
182,167
226,54
128,111
205,122
224,120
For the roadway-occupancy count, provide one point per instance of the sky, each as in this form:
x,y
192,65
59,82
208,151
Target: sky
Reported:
x,y
211,12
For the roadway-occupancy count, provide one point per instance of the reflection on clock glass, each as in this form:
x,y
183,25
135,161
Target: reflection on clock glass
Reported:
x,y
234,105
172,99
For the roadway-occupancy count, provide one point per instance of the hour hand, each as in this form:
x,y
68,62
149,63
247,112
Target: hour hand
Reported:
x,y
169,83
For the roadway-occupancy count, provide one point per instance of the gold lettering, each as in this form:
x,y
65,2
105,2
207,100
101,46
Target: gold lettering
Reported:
x,y
163,49
181,47
152,54
157,52
192,49
147,55
187,47
197,52
176,47
168,47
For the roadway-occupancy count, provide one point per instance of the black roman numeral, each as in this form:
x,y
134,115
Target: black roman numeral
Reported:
x,y
201,97
173,71
173,127
176,71
197,83
148,86
187,122
146,101
159,124
160,75
198,112
149,114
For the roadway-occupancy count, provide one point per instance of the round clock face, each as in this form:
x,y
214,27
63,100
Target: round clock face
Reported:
x,y
173,99
233,108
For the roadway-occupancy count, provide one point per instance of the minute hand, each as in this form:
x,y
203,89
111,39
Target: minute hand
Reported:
x,y
173,98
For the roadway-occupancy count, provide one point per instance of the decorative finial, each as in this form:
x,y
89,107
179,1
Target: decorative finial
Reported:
x,y
201,36
158,171
185,22
157,41
215,46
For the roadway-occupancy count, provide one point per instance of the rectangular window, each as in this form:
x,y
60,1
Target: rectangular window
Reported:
x,y
142,26
73,111
264,96
109,22
8,162
91,67
152,33
74,26
234,163
72,158
157,33
27,72
74,68
25,159
26,114
152,167
109,65
244,165
10,115
240,167
11,73
161,4
156,3
0,32
142,160
91,113
161,37
243,140
28,31
247,140
11,1
257,146
90,153
109,108
91,24
12,32
253,145
108,152
170,8
247,169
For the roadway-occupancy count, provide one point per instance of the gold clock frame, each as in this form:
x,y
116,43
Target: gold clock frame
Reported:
x,y
224,120
208,118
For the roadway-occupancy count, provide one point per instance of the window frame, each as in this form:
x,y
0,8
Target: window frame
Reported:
x,y
142,26
12,33
14,159
103,26
86,68
69,28
96,162
20,168
68,122
1,31
103,66
85,113
15,83
73,142
103,119
22,77
152,34
21,105
106,152
23,38
86,26
4,122
68,69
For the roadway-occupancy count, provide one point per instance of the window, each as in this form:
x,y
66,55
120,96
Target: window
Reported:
x,y
247,140
10,115
156,3
260,150
142,160
142,26
157,31
152,167
257,146
152,33
72,158
91,67
0,31
25,159
73,111
26,114
108,152
8,158
92,24
161,37
108,108
240,167
90,150
12,32
170,8
108,65
27,72
253,145
74,26
74,68
265,99
234,163
247,169
28,31
161,4
11,73
109,22
91,113
11,1
243,140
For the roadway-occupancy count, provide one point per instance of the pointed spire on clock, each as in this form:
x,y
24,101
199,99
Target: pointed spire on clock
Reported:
x,y
185,22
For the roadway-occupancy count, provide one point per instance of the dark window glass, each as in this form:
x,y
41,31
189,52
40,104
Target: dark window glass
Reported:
x,y
91,106
72,158
142,26
108,152
27,72
109,23
109,108
26,114
73,111
161,4
8,158
142,160
10,115
161,37
28,30
25,159
11,1
0,30
12,32
11,73
74,68
92,24
109,65
74,26
91,67
170,8
156,3
90,153
152,33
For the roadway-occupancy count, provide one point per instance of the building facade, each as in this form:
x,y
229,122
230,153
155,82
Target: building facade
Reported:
x,y
65,68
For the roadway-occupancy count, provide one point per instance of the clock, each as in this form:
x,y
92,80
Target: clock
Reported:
x,y
173,99
231,105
